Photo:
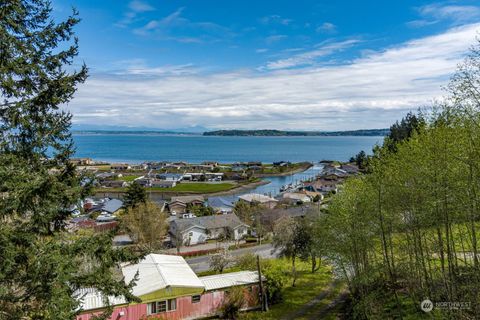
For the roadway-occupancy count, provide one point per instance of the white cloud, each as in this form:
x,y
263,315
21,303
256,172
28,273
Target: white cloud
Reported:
x,y
178,28
275,38
326,27
275,19
140,6
310,57
369,92
436,12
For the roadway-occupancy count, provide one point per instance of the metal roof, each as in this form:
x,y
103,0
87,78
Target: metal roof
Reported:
x,y
159,271
91,299
232,279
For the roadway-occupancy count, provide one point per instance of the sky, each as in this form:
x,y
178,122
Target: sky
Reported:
x,y
298,65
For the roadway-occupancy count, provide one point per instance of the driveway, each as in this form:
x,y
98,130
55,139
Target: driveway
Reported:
x,y
202,263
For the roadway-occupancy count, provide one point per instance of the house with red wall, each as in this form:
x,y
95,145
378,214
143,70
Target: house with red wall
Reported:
x,y
169,289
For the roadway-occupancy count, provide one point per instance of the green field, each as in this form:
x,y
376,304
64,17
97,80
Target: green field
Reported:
x,y
199,188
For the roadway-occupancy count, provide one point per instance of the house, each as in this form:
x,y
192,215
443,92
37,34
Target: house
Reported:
x,y
82,161
211,163
252,198
281,164
178,205
322,185
144,182
170,176
163,184
334,171
108,206
215,176
198,230
114,183
120,166
222,204
239,166
139,167
296,196
194,176
169,289
350,168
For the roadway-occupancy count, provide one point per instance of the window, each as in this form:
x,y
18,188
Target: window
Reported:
x,y
162,306
196,299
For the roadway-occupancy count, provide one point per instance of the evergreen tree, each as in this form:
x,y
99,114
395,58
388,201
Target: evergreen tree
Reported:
x,y
135,195
42,265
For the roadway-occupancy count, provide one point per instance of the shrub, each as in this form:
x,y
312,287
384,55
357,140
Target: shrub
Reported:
x,y
233,303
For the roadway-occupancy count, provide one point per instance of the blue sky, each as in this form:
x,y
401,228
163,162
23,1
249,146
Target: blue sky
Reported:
x,y
311,65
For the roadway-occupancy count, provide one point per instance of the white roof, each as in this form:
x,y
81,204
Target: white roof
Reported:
x,y
91,299
159,271
256,197
226,280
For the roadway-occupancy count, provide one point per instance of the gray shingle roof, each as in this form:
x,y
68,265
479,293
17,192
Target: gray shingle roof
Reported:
x,y
210,222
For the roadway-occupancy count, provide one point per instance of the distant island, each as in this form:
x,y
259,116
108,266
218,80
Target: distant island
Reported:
x,y
274,133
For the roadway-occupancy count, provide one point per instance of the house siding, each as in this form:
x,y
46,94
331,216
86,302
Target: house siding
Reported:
x,y
209,305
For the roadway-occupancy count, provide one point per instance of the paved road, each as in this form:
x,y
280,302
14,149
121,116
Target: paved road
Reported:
x,y
202,263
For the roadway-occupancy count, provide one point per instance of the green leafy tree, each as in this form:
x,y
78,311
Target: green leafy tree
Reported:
x,y
135,195
147,225
42,265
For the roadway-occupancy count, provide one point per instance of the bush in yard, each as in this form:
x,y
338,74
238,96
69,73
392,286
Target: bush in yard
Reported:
x,y
247,261
232,303
276,281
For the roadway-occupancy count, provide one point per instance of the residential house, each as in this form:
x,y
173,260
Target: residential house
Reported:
x,y
252,198
169,289
82,161
350,168
239,166
214,176
296,196
144,182
198,230
194,176
120,166
334,171
114,183
322,185
178,205
222,204
170,176
163,184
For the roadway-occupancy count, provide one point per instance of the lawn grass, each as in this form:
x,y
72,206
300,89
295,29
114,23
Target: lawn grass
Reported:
x,y
307,287
198,187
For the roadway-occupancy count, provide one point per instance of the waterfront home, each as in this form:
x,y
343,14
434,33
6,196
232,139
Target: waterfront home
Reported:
x,y
82,161
178,205
211,163
334,171
196,230
139,167
107,175
350,168
169,289
170,176
281,164
239,166
322,185
120,166
296,196
194,176
214,176
253,198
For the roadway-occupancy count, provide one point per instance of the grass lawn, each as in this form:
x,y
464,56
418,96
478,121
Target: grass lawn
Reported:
x,y
198,187
307,287
128,178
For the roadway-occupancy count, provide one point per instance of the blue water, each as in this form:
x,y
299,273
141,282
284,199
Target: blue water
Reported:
x,y
149,147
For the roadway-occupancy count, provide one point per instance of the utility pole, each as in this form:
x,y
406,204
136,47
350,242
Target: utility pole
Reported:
x,y
263,297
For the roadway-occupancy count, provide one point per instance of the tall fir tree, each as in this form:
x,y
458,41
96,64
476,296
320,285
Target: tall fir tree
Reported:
x,y
43,265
